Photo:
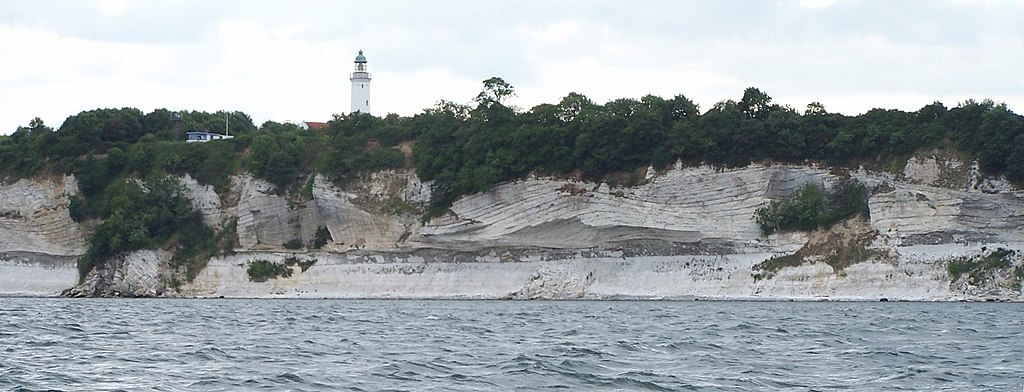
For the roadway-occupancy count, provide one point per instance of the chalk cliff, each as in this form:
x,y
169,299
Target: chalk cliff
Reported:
x,y
39,242
682,233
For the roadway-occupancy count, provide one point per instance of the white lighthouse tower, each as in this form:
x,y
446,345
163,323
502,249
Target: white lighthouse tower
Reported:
x,y
360,86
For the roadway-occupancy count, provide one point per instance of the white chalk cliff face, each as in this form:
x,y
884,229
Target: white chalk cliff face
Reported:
x,y
39,242
684,232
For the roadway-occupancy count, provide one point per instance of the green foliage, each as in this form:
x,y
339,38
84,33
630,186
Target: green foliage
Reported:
x,y
276,127
302,264
495,91
97,130
238,123
810,207
307,188
979,268
24,153
260,270
226,239
282,158
93,176
360,143
293,244
767,269
838,250
847,198
755,103
76,209
468,149
138,215
465,149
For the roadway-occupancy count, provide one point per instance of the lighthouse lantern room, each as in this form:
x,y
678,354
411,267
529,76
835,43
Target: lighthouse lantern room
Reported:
x,y
360,85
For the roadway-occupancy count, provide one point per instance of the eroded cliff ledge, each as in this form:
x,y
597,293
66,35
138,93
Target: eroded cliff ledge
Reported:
x,y
682,233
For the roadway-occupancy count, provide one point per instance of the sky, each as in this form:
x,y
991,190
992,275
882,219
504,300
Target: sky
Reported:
x,y
290,60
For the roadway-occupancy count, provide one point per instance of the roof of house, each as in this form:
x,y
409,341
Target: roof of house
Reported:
x,y
315,125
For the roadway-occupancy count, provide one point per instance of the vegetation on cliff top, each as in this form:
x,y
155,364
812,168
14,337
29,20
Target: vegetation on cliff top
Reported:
x,y
467,148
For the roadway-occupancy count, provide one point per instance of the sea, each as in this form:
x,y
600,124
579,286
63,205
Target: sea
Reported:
x,y
49,344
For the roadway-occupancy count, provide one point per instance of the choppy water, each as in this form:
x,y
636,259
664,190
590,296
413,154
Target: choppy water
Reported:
x,y
313,345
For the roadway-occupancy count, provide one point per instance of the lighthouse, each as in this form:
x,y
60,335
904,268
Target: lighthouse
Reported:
x,y
360,86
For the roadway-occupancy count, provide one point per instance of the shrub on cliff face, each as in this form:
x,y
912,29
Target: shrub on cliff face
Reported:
x,y
262,270
142,214
979,268
811,207
293,244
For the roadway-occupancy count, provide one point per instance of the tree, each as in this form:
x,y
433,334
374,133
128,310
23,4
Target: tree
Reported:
x,y
786,138
573,105
490,107
1015,162
161,121
94,131
683,109
495,90
273,126
755,103
720,124
999,127
239,123
815,109
964,122
36,124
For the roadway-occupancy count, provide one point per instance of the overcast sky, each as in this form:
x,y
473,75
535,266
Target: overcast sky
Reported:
x,y
290,60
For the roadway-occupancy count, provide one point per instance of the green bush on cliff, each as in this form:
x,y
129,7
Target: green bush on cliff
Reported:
x,y
139,215
262,270
293,244
811,207
978,268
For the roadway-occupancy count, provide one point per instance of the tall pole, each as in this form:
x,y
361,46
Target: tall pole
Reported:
x,y
226,124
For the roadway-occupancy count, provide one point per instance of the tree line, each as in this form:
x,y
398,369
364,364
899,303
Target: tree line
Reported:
x,y
466,148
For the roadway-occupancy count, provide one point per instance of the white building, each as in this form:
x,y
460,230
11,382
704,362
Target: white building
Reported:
x,y
360,86
192,137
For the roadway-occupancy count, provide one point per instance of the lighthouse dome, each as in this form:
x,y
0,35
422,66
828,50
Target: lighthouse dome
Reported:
x,y
360,58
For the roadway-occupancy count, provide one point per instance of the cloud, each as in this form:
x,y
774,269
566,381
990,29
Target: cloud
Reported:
x,y
112,7
816,4
290,61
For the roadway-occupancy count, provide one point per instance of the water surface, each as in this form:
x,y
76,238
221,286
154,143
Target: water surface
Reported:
x,y
314,345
